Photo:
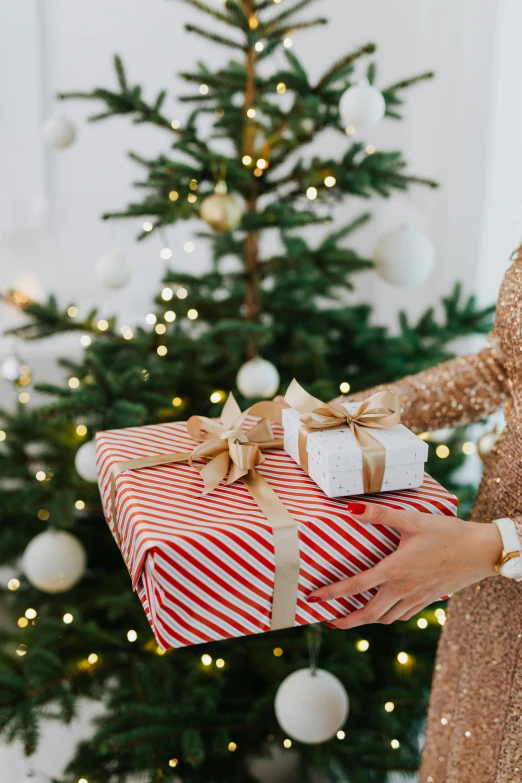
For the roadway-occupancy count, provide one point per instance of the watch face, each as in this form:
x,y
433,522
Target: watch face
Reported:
x,y
512,568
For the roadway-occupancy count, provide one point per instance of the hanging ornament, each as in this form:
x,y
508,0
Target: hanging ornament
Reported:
x,y
486,443
258,378
221,211
54,561
311,705
404,256
362,106
31,776
113,269
59,131
85,462
11,368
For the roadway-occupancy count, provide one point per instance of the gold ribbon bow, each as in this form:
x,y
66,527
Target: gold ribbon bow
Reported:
x,y
234,454
232,451
380,411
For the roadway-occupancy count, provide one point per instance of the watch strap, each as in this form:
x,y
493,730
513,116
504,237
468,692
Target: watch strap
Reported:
x,y
510,538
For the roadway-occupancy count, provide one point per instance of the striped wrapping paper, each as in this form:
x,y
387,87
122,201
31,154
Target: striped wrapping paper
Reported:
x,y
203,567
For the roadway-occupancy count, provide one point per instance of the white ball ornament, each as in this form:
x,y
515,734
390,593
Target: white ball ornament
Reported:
x,y
113,269
362,106
54,561
59,131
221,211
311,705
85,462
405,256
11,368
258,378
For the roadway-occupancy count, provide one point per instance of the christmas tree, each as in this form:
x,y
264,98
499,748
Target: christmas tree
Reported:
x,y
202,715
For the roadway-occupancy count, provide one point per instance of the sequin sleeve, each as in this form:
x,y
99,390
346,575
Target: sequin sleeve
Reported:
x,y
456,392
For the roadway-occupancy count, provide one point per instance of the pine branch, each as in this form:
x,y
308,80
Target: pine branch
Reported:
x,y
341,64
196,98
427,338
127,101
371,72
47,320
263,5
411,180
296,66
207,9
283,32
287,13
335,236
238,10
120,73
393,100
405,83
214,37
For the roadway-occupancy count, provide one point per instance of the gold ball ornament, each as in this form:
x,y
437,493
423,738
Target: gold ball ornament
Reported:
x,y
486,444
221,211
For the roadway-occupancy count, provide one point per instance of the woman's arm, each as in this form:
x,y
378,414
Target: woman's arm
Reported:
x,y
457,392
437,555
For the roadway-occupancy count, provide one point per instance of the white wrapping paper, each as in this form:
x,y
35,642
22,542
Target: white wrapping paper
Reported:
x,y
335,458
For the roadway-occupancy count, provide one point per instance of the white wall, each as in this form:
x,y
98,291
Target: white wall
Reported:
x,y
463,129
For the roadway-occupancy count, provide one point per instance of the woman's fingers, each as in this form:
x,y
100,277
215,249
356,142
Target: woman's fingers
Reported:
x,y
385,608
373,612
403,521
396,594
412,611
402,610
354,585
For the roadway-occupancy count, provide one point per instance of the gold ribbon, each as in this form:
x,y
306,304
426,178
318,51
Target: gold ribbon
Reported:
x,y
380,411
234,454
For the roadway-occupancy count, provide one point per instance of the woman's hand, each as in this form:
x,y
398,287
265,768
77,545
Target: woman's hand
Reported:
x,y
437,555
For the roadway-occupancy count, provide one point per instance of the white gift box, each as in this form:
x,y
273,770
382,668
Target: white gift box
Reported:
x,y
335,458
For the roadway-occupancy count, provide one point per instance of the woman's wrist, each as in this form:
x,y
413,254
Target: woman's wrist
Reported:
x,y
485,546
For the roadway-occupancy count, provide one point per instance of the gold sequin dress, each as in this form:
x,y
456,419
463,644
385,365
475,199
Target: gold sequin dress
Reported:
x,y
474,732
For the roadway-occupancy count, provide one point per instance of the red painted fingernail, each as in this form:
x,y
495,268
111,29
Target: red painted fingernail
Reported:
x,y
356,508
331,625
313,598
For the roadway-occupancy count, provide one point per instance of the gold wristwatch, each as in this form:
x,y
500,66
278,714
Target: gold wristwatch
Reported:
x,y
510,563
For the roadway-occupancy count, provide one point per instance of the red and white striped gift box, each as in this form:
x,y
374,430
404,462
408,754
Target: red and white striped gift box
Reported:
x,y
203,567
